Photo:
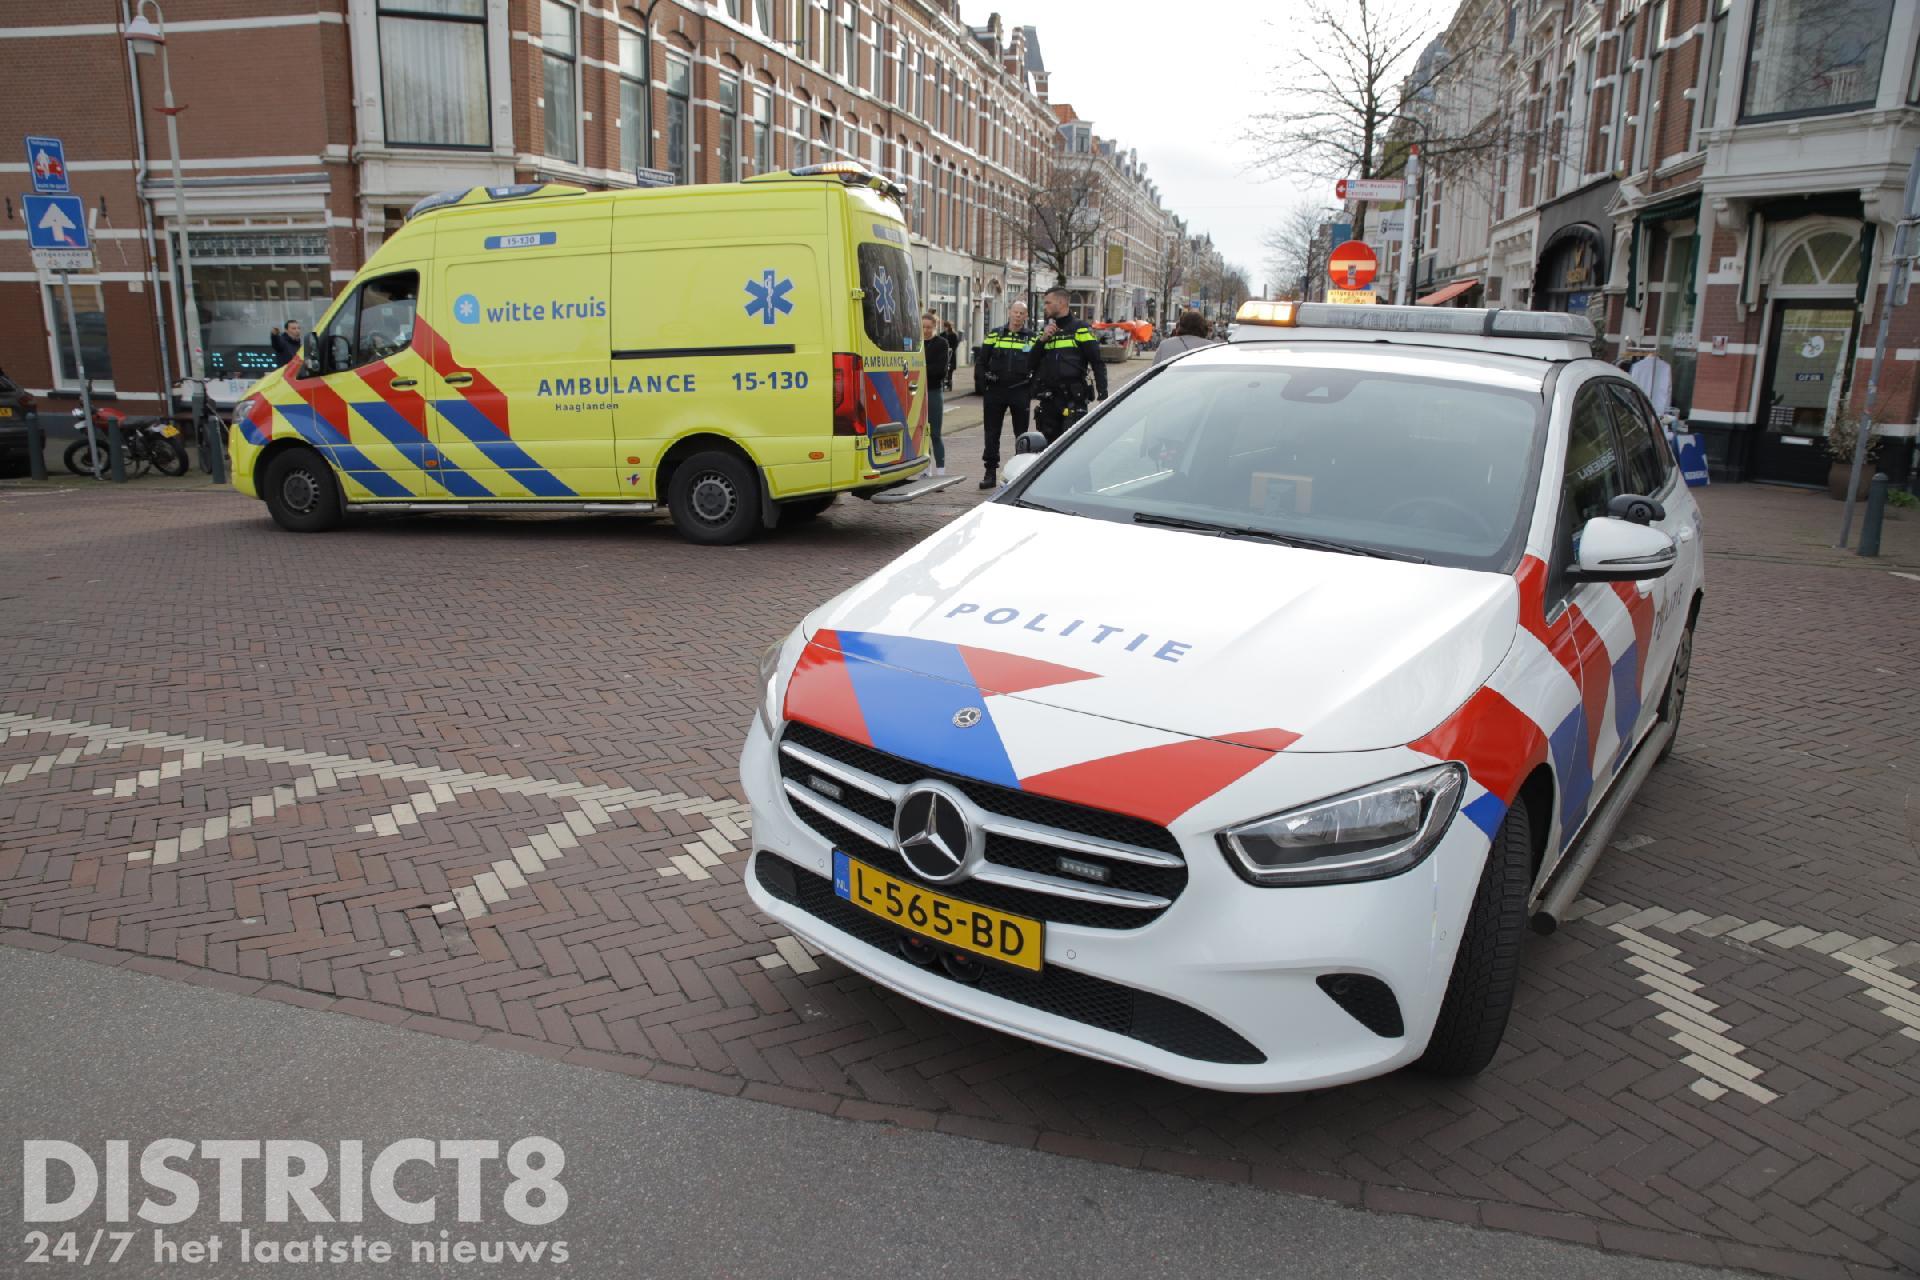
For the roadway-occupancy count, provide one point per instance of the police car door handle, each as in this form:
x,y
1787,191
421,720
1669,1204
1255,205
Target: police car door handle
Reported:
x,y
401,384
459,379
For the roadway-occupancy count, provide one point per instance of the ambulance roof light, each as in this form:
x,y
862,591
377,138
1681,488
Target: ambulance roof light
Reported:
x,y
490,195
1495,322
850,172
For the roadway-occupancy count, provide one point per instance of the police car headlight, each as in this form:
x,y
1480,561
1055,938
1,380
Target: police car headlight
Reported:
x,y
767,708
1368,834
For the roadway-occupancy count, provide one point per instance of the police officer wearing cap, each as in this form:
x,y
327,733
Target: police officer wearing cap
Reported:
x,y
1065,352
1005,360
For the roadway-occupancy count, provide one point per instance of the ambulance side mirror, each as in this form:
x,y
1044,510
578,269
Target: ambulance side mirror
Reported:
x,y
310,355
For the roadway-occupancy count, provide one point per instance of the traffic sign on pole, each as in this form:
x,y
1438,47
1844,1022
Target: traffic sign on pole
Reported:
x,y
57,232
47,165
1352,265
1370,189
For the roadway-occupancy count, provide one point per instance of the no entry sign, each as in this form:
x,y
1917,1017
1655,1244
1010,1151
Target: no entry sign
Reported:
x,y
1352,266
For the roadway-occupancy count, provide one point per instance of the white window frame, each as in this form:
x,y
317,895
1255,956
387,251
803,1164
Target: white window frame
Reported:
x,y
579,87
49,285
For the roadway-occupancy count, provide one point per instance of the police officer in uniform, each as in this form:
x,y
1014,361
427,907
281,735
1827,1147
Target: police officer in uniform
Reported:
x,y
1005,358
1062,356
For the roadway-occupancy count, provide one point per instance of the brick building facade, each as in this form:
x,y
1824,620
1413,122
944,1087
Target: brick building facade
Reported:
x,y
312,126
1715,182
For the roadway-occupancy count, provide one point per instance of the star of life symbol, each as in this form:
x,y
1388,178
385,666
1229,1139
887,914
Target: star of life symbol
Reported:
x,y
466,309
769,296
883,294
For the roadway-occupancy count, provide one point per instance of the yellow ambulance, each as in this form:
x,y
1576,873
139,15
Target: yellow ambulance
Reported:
x,y
736,354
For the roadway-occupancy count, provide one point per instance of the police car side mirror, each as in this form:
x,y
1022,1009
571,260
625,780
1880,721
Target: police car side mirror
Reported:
x,y
1030,442
1017,466
1616,550
1631,506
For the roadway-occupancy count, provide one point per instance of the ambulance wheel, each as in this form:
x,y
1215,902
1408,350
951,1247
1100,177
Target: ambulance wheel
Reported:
x,y
300,492
1486,968
804,510
714,499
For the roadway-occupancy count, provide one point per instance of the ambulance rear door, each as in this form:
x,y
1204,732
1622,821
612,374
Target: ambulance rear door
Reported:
x,y
887,334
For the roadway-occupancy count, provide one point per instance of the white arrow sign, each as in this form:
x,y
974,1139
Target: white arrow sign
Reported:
x,y
56,221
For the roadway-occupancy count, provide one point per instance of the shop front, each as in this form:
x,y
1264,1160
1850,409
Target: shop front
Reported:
x,y
1570,272
248,282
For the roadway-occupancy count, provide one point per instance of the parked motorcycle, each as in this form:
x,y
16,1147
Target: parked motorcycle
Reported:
x,y
144,443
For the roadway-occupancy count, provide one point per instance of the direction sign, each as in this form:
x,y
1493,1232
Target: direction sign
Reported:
x,y
1352,265
1370,189
47,164
57,232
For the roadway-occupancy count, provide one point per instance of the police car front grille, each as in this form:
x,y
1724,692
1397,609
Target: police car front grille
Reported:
x,y
1139,1015
1123,876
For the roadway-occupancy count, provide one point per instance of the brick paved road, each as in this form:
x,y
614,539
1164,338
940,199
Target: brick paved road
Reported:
x,y
479,775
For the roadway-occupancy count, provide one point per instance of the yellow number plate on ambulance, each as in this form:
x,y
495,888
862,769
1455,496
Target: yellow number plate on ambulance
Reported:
x,y
1013,940
885,449
5,412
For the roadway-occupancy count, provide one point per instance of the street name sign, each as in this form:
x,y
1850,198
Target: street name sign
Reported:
x,y
1370,189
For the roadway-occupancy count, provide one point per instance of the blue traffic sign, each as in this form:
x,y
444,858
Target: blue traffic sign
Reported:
x,y
55,222
47,163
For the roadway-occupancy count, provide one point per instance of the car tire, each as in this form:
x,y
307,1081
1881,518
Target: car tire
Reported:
x,y
1486,967
805,509
300,492
714,499
1674,700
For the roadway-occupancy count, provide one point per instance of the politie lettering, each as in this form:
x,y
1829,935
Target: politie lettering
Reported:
x,y
631,385
1080,629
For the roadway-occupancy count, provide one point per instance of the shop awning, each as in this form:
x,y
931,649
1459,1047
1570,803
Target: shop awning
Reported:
x,y
1446,293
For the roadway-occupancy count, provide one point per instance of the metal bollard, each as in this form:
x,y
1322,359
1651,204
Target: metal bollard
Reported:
x,y
116,456
36,446
1876,512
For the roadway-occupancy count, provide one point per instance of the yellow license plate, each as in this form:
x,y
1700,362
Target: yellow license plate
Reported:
x,y
1014,940
5,411
169,432
886,447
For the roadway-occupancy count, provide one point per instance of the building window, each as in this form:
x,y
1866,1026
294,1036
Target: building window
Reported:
x,y
916,87
1806,58
845,45
90,317
800,28
826,138
762,130
1643,139
559,69
1623,68
797,148
433,72
636,139
763,15
679,116
1716,61
727,145
247,283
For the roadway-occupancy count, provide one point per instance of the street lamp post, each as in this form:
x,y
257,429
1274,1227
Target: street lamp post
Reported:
x,y
146,36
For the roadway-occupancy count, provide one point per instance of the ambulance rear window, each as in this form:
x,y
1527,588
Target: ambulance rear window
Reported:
x,y
890,307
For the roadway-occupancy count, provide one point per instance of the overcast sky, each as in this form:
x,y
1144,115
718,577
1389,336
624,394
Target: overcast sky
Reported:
x,y
1177,79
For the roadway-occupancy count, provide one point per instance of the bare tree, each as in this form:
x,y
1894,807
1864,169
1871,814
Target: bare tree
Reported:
x,y
1063,216
1174,263
1291,249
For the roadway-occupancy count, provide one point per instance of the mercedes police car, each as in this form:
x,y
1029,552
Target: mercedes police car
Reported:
x,y
1238,737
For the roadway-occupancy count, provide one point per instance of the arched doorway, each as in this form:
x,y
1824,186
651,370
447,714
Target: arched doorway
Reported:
x,y
1570,271
1812,269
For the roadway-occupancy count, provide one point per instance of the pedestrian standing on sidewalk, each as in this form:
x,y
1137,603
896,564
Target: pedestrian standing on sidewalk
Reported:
x,y
1066,352
952,336
1189,331
939,365
1005,360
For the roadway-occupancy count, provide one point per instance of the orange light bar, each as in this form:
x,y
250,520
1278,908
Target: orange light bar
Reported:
x,y
1280,315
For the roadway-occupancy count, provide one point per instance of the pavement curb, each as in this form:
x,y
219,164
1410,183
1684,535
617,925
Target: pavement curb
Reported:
x,y
1604,1235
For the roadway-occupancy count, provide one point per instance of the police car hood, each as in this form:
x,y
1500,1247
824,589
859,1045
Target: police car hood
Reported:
x,y
1166,632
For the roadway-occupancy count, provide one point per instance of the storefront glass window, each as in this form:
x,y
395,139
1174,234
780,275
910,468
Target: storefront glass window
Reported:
x,y
1810,56
246,284
433,72
90,317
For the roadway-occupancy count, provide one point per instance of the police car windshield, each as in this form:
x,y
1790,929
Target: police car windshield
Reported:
x,y
1413,457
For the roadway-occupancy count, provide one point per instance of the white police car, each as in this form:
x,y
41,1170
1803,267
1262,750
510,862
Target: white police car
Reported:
x,y
1237,737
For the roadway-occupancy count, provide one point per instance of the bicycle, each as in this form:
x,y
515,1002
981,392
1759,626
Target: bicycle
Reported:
x,y
145,443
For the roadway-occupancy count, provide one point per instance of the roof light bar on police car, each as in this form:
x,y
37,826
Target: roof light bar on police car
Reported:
x,y
1549,326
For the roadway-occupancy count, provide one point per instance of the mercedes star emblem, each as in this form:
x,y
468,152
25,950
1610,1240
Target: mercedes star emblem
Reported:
x,y
966,717
934,833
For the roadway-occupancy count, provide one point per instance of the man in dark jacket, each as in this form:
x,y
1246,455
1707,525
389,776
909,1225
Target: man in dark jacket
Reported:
x,y
286,343
1005,360
1065,352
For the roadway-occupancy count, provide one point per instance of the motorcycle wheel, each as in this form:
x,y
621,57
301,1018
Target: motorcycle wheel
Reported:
x,y
80,461
169,456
